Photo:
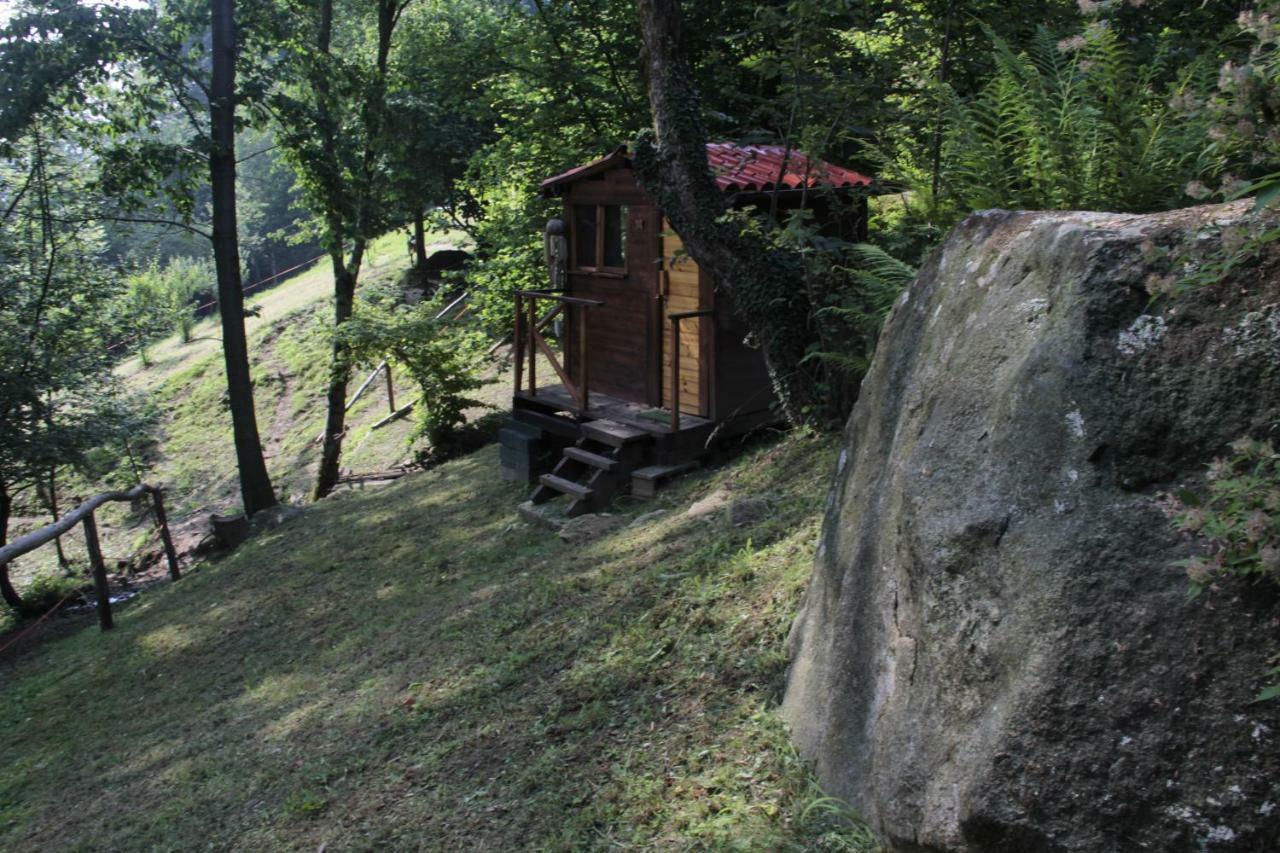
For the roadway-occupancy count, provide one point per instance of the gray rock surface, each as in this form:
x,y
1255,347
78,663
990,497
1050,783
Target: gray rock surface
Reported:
x,y
710,506
996,652
589,527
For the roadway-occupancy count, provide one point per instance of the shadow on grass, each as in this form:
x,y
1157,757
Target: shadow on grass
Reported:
x,y
411,667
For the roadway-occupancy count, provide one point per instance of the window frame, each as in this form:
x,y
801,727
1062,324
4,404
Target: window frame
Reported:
x,y
599,267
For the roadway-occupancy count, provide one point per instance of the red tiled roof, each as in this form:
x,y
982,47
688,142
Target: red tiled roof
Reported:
x,y
748,168
737,168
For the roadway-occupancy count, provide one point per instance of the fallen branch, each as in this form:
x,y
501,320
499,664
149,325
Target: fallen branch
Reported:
x,y
396,415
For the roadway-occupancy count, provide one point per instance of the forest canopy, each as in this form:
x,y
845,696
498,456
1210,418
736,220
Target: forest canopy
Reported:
x,y
158,157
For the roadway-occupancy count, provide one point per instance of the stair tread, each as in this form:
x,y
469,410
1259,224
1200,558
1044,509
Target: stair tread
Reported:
x,y
569,487
657,472
612,432
595,460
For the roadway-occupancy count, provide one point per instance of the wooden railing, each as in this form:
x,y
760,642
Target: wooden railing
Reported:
x,y
529,341
675,361
83,514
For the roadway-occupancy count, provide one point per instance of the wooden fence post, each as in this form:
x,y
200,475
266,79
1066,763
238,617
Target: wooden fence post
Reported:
x,y
163,522
391,391
533,346
99,572
519,344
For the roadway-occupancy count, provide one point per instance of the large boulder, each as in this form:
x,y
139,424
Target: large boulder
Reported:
x,y
997,650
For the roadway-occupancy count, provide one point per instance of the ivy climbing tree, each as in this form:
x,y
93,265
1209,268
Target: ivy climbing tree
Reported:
x,y
766,284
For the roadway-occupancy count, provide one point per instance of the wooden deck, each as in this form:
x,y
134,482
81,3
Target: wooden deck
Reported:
x,y
553,399
554,410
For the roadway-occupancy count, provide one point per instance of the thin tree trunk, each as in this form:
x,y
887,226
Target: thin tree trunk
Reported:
x,y
346,275
7,592
944,66
767,285
344,291
53,511
420,241
255,483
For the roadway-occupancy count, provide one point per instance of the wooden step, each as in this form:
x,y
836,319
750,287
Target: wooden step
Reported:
x,y
568,487
645,481
595,460
613,433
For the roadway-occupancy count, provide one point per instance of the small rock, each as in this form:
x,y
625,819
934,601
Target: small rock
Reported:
x,y
585,528
230,530
711,504
642,520
542,516
272,517
746,511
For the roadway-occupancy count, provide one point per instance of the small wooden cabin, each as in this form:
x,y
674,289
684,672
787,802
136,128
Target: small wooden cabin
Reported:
x,y
655,364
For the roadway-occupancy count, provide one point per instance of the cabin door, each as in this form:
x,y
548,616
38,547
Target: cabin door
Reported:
x,y
682,291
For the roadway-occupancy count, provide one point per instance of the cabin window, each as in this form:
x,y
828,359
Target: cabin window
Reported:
x,y
600,236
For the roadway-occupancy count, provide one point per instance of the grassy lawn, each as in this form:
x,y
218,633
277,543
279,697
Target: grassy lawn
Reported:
x,y
412,667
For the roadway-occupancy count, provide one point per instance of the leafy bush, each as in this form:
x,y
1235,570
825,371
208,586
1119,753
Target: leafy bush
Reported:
x,y
47,591
850,287
162,300
443,357
1237,521
1244,132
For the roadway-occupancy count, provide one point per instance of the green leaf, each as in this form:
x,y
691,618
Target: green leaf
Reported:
x,y
1267,197
1269,693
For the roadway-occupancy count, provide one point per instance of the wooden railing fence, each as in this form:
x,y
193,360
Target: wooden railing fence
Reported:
x,y
529,341
84,515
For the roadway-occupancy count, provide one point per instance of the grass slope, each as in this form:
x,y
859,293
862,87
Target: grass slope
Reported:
x,y
194,459
411,667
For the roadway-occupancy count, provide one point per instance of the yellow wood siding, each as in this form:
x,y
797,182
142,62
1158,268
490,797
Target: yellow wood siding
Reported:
x,y
682,294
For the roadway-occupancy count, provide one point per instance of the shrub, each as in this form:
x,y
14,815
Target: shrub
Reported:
x,y
48,591
1237,521
443,357
162,300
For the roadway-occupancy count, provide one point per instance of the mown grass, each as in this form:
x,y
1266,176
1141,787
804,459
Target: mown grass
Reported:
x,y
412,668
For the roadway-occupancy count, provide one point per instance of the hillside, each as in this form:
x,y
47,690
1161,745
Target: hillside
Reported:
x,y
192,457
411,666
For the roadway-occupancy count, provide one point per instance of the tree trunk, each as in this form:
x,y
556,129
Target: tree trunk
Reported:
x,y
944,66
52,501
344,292
7,592
255,483
766,284
420,242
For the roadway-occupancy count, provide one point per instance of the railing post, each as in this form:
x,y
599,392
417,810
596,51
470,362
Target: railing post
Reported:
x,y
533,346
99,572
391,391
675,374
582,357
162,521
519,344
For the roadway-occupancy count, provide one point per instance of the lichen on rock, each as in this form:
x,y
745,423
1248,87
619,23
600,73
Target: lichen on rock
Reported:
x,y
997,650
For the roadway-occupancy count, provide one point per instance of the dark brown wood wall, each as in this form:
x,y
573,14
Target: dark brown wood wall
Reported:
x,y
622,335
741,385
